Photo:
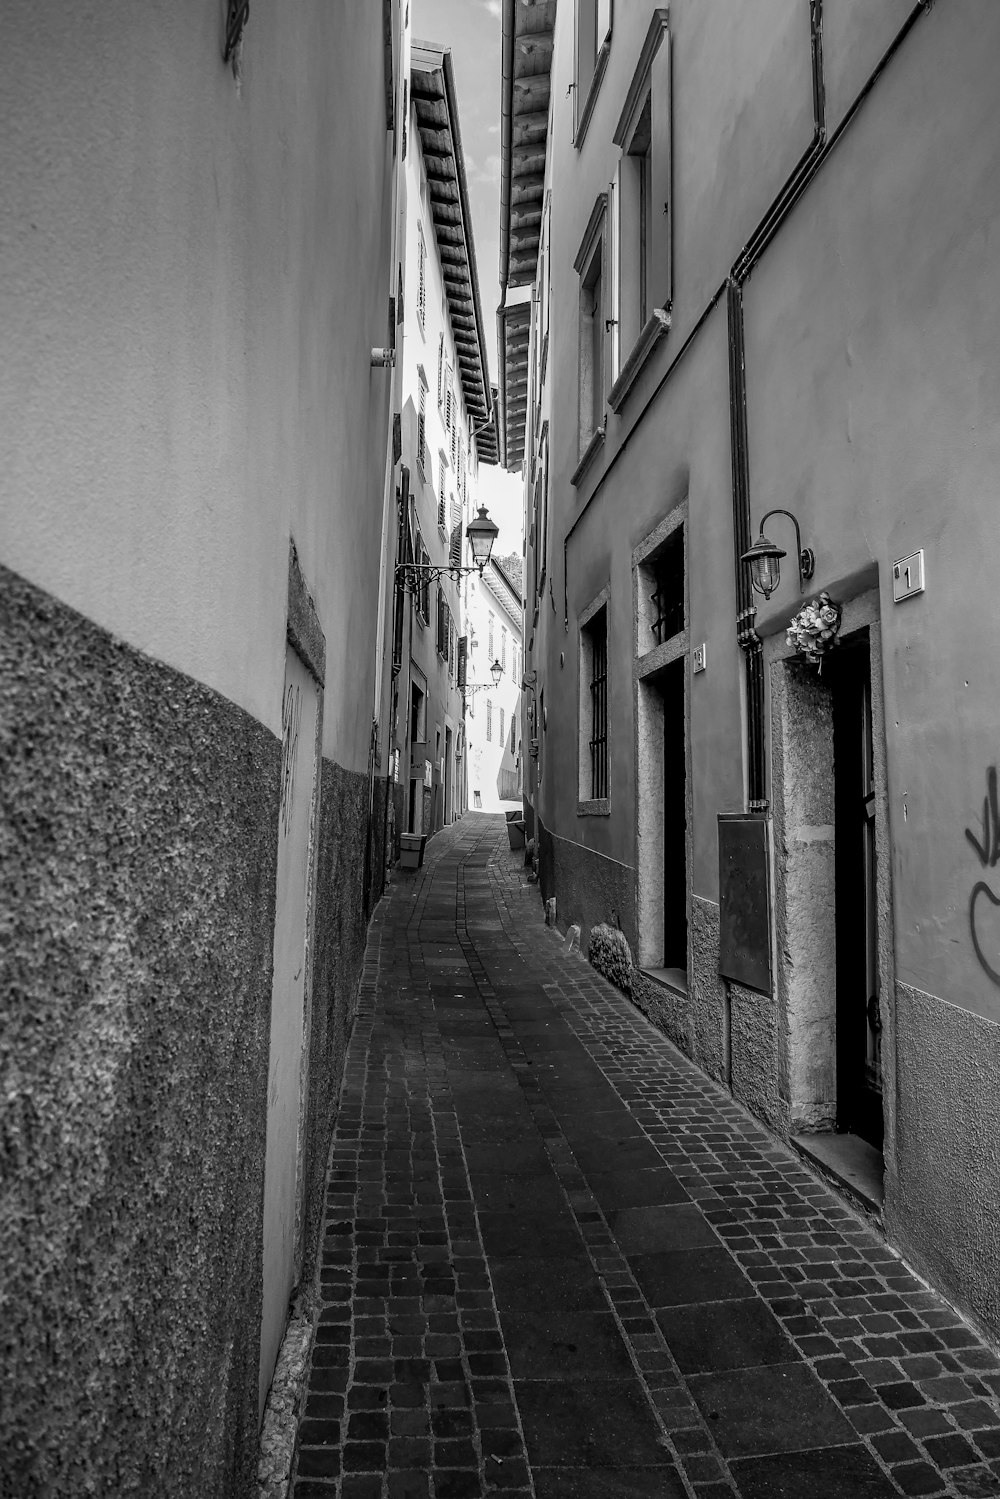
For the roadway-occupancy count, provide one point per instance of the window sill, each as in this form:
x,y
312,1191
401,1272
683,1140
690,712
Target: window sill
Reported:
x,y
587,108
662,655
654,328
601,807
590,452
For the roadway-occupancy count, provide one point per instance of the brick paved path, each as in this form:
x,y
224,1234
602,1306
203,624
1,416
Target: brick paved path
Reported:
x,y
559,1262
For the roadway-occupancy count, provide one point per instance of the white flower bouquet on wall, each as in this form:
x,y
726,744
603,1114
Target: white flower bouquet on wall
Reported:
x,y
813,631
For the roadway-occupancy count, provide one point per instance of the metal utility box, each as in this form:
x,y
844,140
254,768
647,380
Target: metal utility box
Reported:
x,y
745,899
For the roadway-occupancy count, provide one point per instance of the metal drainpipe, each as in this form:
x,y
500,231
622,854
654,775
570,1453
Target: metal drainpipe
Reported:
x,y
746,636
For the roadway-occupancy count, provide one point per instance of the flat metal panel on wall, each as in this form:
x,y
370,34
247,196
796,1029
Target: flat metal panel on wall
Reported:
x,y
745,900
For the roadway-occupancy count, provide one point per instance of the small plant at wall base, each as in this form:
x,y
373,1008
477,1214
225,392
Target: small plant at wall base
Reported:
x,y
611,955
813,631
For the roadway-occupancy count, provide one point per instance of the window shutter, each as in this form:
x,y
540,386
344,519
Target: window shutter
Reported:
x,y
440,365
463,660
661,272
455,548
442,513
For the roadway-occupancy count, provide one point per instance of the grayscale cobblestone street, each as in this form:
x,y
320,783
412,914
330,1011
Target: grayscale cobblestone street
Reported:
x,y
559,1261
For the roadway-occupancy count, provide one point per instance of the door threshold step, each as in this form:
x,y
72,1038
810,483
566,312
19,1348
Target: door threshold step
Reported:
x,y
851,1162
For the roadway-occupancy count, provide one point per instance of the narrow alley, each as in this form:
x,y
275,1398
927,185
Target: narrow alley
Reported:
x,y
558,1261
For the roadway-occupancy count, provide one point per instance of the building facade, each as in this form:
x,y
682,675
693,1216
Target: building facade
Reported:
x,y
493,730
196,537
745,268
446,432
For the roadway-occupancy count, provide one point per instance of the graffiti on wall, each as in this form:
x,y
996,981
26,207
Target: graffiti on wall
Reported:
x,y
982,900
291,713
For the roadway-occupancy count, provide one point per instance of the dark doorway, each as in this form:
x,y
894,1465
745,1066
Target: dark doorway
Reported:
x,y
674,818
859,1025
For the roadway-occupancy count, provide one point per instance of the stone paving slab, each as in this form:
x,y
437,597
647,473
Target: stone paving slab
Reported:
x,y
560,1262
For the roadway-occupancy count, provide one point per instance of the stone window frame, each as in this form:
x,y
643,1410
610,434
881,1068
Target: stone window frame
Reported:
x,y
646,664
678,645
587,806
592,260
649,93
587,77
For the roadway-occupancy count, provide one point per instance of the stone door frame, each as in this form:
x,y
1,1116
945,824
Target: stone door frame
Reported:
x,y
802,796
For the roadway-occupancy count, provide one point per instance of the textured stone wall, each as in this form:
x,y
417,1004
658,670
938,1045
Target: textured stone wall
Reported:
x,y
707,989
941,1206
340,930
138,819
670,1012
590,889
754,1058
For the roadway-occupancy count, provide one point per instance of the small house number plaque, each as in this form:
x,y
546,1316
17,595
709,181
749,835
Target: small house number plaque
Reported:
x,y
908,576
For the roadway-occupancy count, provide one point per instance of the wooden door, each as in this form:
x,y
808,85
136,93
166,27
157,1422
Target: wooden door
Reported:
x,y
859,1024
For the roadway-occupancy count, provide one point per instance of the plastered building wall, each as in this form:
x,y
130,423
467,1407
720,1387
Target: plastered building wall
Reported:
x,y
195,270
490,596
871,367
163,288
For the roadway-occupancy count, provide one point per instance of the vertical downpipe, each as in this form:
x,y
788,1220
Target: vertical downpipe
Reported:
x,y
746,612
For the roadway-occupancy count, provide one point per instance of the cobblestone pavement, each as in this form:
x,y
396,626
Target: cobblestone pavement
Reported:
x,y
560,1262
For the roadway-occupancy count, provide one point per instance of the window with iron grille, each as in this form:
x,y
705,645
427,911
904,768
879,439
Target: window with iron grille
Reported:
x,y
666,570
594,707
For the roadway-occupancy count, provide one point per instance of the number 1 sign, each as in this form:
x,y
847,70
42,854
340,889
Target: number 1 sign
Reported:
x,y
908,576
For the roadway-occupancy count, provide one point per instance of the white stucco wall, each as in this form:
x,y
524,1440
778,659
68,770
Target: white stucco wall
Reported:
x,y
194,272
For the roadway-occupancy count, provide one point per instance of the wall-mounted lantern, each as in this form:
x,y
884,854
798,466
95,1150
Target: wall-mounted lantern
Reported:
x,y
481,532
765,557
496,672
